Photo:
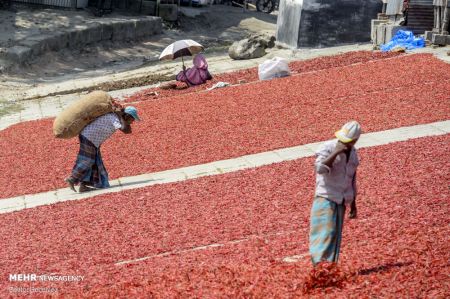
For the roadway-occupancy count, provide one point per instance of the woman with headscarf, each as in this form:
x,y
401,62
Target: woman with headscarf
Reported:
x,y
196,75
89,170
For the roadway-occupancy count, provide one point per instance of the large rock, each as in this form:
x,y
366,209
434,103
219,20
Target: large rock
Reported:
x,y
252,47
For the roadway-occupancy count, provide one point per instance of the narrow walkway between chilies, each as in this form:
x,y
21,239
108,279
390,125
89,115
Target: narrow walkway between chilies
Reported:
x,y
218,167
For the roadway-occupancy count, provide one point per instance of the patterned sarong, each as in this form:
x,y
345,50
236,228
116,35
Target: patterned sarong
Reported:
x,y
89,166
327,219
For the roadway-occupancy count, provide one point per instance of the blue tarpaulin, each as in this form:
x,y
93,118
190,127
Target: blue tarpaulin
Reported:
x,y
404,39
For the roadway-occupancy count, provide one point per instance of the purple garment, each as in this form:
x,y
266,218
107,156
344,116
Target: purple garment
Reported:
x,y
196,75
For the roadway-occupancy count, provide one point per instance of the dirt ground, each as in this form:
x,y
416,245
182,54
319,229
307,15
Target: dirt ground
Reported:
x,y
117,66
216,27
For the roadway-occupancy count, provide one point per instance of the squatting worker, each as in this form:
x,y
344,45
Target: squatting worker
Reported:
x,y
335,166
89,170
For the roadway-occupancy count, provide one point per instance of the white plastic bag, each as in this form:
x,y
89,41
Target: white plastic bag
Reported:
x,y
274,68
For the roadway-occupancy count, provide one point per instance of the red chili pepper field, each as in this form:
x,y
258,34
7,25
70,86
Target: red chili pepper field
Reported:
x,y
244,234
189,129
398,247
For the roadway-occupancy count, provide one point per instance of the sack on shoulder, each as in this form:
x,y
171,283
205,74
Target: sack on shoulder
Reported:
x,y
71,121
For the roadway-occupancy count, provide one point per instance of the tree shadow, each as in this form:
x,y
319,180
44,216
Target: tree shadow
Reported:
x,y
383,268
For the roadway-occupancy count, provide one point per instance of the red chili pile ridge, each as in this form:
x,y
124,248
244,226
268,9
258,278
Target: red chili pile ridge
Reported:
x,y
261,216
251,75
325,275
236,121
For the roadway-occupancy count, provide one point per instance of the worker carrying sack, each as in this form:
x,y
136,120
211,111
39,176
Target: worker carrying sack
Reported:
x,y
71,121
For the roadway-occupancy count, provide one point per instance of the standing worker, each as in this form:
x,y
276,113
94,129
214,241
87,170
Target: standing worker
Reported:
x,y
89,170
335,166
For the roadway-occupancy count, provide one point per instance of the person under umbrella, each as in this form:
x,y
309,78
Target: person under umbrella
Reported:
x,y
196,75
89,170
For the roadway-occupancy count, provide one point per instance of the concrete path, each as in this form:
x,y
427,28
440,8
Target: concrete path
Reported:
x,y
52,106
220,167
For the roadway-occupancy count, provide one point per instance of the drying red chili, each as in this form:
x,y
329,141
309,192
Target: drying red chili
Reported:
x,y
397,247
231,122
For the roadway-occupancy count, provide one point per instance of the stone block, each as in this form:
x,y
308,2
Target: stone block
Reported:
x,y
94,33
76,38
123,31
142,28
130,30
19,54
148,8
373,28
148,26
157,25
58,42
391,30
168,12
42,43
440,39
5,65
107,31
381,34
34,45
428,35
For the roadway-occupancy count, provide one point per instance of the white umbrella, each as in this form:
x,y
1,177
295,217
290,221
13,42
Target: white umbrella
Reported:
x,y
185,47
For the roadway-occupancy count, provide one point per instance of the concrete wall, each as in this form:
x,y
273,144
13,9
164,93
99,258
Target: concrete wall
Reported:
x,y
80,36
288,22
326,23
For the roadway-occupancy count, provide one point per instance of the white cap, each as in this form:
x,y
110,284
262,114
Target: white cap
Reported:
x,y
349,132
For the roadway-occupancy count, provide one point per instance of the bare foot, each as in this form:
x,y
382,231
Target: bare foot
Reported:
x,y
71,184
85,188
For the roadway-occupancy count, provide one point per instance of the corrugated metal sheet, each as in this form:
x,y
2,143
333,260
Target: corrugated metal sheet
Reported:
x,y
58,3
420,16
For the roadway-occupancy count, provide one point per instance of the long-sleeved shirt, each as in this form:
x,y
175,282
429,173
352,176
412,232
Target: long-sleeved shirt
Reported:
x,y
337,182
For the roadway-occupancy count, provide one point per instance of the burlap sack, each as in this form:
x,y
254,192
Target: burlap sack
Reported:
x,y
74,118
